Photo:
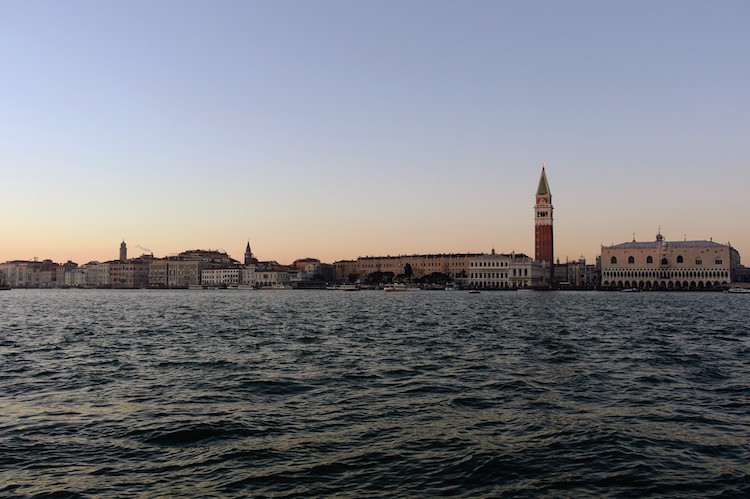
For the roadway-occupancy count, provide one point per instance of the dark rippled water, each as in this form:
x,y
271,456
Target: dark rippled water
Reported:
x,y
246,393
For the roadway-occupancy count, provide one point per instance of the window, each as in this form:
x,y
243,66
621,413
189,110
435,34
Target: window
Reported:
x,y
718,261
614,260
631,259
664,261
679,259
649,259
698,261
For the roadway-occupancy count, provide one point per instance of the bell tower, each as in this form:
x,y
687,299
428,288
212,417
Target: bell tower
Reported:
x,y
249,257
543,245
123,251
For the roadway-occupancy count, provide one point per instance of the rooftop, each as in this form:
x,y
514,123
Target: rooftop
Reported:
x,y
673,244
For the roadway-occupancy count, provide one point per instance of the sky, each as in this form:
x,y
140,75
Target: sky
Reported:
x,y
339,129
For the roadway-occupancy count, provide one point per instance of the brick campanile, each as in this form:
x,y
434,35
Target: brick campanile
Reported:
x,y
543,247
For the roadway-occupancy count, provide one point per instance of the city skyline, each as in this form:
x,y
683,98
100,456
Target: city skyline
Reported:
x,y
335,130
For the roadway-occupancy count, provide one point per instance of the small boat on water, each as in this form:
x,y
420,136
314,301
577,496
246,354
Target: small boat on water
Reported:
x,y
737,289
394,288
630,290
473,291
450,286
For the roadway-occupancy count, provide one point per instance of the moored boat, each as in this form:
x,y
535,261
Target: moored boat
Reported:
x,y
396,287
738,289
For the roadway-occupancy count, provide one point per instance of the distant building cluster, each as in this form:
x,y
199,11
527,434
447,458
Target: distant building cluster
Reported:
x,y
657,265
193,268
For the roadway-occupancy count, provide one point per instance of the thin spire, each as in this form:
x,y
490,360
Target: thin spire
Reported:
x,y
543,188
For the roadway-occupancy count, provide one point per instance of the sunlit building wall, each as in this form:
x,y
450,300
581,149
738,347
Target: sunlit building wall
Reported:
x,y
504,271
223,276
665,264
97,275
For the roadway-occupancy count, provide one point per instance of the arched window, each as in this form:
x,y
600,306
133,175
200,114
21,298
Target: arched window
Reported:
x,y
613,260
698,261
679,259
664,261
631,259
649,260
718,261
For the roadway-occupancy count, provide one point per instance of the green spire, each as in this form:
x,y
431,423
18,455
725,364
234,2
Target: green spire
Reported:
x,y
543,188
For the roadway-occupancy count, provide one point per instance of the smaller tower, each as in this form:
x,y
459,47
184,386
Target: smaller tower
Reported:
x,y
123,251
249,257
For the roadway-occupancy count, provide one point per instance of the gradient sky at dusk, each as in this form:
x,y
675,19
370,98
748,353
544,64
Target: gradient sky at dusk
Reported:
x,y
337,129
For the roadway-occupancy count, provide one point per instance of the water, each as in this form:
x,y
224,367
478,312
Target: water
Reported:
x,y
248,393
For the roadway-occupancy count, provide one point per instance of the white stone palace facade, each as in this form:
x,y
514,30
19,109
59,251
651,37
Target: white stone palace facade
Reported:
x,y
504,271
668,265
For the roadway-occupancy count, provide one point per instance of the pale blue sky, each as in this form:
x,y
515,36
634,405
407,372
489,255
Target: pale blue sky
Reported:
x,y
339,129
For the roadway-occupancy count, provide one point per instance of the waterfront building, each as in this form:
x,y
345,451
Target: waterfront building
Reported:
x,y
97,275
30,274
307,268
248,276
269,274
576,274
16,273
346,271
221,277
63,271
123,252
185,269
451,264
543,234
504,271
560,273
207,256
75,277
158,273
741,275
131,274
662,264
176,273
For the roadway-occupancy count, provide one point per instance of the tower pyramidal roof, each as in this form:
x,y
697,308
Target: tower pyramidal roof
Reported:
x,y
543,188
